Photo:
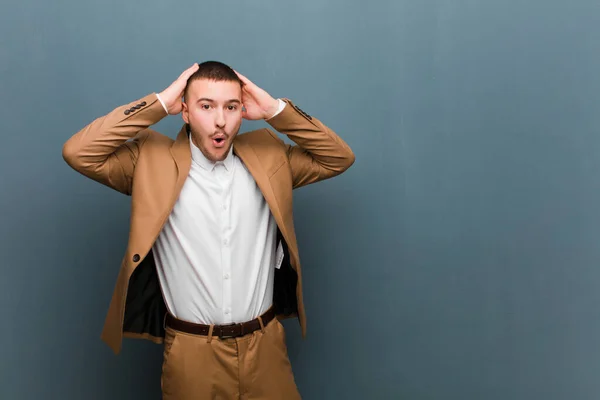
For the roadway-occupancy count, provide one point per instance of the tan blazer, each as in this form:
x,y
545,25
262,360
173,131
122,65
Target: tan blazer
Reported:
x,y
121,151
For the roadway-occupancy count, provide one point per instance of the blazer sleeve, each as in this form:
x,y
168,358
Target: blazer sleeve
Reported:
x,y
107,149
318,154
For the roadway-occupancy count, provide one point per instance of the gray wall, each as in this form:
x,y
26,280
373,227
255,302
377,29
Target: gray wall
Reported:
x,y
457,259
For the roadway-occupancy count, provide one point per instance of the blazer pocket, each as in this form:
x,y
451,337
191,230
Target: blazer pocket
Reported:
x,y
170,338
166,378
276,166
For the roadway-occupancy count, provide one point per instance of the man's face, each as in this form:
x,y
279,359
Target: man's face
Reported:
x,y
214,112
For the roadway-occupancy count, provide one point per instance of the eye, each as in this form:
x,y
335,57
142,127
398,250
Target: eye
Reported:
x,y
232,108
205,106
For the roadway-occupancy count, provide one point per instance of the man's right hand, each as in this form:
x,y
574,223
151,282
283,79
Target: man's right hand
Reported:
x,y
172,96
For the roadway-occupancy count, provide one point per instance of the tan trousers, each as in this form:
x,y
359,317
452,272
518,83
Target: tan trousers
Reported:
x,y
250,367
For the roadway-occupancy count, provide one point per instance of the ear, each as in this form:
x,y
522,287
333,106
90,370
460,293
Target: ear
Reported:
x,y
185,113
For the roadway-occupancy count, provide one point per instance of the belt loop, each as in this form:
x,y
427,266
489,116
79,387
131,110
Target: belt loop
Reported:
x,y
165,321
262,326
210,333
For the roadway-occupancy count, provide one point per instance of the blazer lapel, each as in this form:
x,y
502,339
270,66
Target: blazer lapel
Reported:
x,y
180,150
246,153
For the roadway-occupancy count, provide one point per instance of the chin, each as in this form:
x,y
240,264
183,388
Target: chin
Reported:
x,y
221,154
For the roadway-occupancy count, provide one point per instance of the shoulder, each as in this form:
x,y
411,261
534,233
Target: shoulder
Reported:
x,y
266,146
153,140
262,138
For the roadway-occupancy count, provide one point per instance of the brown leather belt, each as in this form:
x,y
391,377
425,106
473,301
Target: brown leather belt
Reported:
x,y
221,331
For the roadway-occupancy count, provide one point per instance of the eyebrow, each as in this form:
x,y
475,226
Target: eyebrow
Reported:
x,y
212,101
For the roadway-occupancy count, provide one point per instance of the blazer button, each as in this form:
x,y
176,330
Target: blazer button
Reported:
x,y
126,112
132,109
137,106
136,257
143,103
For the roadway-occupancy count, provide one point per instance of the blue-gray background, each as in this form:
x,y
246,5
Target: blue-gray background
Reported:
x,y
457,259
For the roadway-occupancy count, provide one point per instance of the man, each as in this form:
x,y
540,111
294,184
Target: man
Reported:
x,y
212,262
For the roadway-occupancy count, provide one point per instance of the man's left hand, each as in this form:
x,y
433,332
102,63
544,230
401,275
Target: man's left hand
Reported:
x,y
258,104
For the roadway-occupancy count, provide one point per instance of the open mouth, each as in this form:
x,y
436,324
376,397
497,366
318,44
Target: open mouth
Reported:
x,y
219,140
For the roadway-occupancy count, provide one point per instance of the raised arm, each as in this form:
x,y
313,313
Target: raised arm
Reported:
x,y
107,149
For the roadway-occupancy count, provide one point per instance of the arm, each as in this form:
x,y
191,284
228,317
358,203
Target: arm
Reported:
x,y
318,154
103,151
107,149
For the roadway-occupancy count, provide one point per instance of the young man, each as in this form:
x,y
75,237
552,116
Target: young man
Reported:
x,y
212,262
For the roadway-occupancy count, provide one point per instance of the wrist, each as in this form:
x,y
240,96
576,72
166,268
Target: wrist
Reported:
x,y
272,110
159,97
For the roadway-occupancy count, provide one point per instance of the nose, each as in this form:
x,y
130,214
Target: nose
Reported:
x,y
220,119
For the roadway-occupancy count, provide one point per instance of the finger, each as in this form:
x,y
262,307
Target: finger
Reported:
x,y
243,78
248,89
248,94
194,67
185,75
190,71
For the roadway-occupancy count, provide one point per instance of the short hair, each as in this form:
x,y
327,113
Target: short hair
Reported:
x,y
214,71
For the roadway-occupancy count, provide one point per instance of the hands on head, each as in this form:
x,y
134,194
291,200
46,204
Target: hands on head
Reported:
x,y
258,104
